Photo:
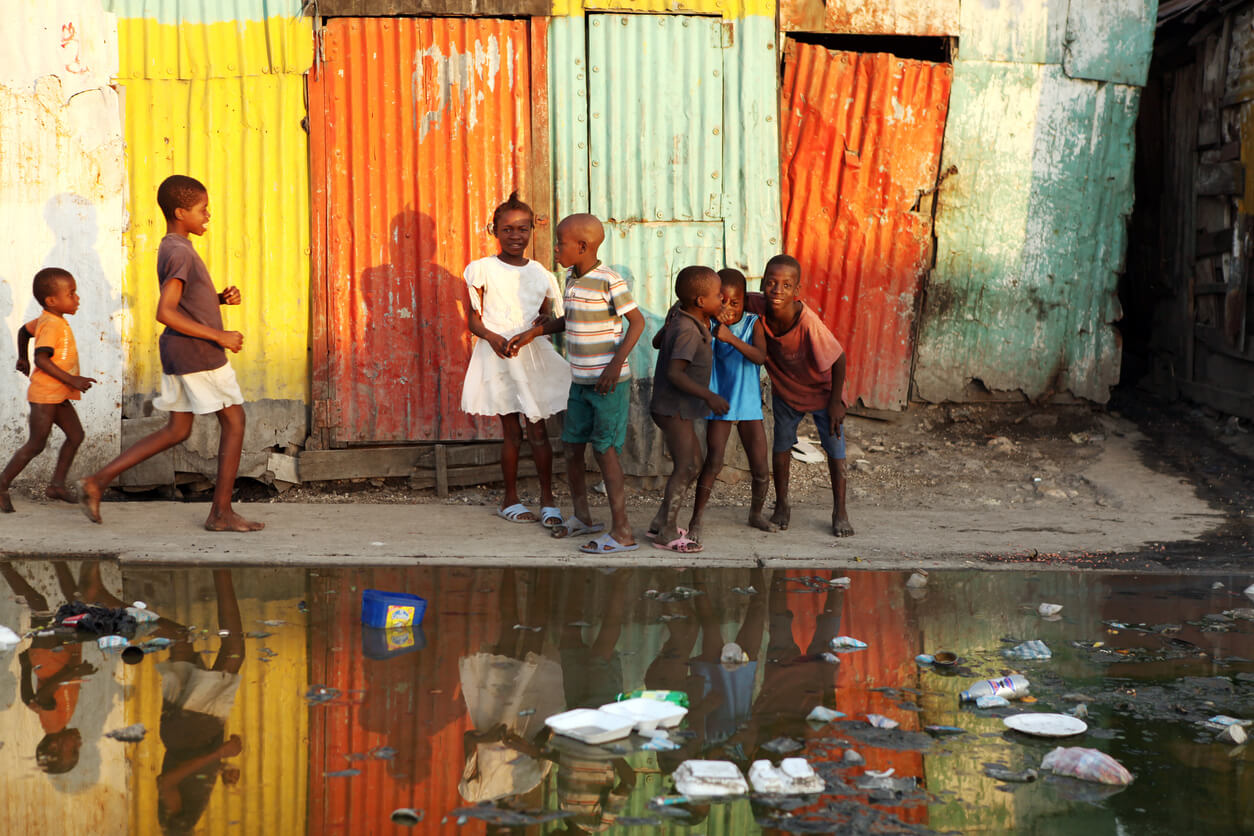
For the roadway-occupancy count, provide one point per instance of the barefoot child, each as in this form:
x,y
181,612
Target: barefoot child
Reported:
x,y
596,303
807,369
54,383
739,352
196,378
526,386
681,395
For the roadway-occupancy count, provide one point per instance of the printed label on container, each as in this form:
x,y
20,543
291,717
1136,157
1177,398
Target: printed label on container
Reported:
x,y
399,616
399,639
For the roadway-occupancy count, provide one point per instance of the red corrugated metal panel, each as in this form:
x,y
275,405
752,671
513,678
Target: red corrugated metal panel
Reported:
x,y
411,702
861,147
883,17
420,128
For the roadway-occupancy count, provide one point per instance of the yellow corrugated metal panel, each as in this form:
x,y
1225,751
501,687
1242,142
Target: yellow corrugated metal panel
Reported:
x,y
243,139
269,712
227,49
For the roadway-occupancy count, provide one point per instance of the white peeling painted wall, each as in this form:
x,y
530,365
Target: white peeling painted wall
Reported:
x,y
62,184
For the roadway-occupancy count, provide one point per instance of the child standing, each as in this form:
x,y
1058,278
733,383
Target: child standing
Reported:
x,y
196,378
681,395
807,369
739,352
596,303
527,384
54,383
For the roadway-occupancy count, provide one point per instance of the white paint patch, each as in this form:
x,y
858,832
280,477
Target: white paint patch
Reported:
x,y
441,82
61,204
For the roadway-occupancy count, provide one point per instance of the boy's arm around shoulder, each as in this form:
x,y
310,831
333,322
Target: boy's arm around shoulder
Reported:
x,y
24,335
754,352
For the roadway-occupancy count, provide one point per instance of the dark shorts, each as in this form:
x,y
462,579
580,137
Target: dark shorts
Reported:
x,y
786,421
597,419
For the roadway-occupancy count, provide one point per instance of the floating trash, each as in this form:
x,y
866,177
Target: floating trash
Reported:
x,y
879,721
1087,765
991,701
820,714
1049,609
845,643
1030,651
128,734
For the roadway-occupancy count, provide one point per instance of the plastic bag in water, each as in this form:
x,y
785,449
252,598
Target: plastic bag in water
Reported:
x,y
1087,765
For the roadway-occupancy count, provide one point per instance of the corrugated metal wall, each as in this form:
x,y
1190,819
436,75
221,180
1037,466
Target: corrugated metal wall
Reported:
x,y
422,127
1031,230
216,91
858,17
861,146
62,180
411,703
269,709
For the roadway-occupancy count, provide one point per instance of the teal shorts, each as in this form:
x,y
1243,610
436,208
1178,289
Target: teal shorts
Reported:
x,y
597,419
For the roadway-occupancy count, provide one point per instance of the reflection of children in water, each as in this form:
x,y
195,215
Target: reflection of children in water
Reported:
x,y
51,668
591,673
510,689
195,704
726,696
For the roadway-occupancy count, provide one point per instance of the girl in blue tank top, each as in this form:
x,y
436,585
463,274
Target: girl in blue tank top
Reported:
x,y
739,352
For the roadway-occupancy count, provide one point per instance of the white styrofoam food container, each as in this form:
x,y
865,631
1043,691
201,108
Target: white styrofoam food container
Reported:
x,y
708,779
793,776
646,714
590,725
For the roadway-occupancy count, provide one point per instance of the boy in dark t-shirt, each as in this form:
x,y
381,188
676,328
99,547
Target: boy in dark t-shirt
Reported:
x,y
681,394
196,378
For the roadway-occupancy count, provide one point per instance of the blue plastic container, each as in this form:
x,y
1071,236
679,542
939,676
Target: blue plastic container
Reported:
x,y
381,643
391,609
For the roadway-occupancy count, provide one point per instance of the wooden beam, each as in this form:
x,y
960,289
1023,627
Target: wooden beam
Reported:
x,y
357,463
1220,179
441,471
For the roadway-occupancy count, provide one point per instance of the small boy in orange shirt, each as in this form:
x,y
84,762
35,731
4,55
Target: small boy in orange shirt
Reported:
x,y
54,382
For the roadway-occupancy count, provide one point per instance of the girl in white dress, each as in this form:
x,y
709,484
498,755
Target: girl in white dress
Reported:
x,y
507,292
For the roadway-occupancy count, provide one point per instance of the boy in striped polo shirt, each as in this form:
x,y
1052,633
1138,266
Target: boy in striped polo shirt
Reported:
x,y
597,345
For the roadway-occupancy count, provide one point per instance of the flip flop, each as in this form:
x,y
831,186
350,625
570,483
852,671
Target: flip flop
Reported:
x,y
681,544
550,513
514,513
575,527
606,544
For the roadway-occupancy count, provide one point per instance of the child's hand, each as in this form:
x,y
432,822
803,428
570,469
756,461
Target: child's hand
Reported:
x,y
500,345
718,404
231,341
609,378
835,416
232,747
519,341
23,366
230,296
82,384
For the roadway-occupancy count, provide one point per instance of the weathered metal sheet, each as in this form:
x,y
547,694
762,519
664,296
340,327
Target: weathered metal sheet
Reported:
x,y
394,8
269,711
196,39
244,141
62,181
858,17
422,127
724,8
412,702
1110,41
1028,31
1023,293
651,162
861,147
1239,78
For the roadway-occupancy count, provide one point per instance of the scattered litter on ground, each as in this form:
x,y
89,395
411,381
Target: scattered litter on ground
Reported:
x,y
407,817
128,734
1086,765
821,714
709,779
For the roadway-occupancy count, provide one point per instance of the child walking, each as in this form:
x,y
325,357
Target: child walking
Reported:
x,y
806,365
739,352
596,303
54,383
196,377
681,395
522,385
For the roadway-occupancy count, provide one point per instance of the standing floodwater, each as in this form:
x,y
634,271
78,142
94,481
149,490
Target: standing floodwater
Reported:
x,y
269,708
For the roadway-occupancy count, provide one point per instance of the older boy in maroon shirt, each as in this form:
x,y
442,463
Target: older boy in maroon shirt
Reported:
x,y
807,369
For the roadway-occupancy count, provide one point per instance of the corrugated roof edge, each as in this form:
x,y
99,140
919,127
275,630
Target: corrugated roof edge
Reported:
x,y
204,11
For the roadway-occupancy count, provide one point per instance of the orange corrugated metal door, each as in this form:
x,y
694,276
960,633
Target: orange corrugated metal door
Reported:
x,y
861,149
419,128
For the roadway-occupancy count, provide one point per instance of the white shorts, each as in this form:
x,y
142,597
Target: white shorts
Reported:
x,y
199,392
196,689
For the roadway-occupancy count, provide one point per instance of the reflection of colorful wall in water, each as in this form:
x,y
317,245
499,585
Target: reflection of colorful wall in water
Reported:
x,y
268,712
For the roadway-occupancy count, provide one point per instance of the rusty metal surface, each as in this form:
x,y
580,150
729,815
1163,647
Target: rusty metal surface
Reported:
x,y
389,8
858,17
861,146
420,127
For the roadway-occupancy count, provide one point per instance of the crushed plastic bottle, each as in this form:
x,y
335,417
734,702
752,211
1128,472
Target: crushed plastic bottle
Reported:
x,y
1011,687
111,642
991,701
842,644
1033,650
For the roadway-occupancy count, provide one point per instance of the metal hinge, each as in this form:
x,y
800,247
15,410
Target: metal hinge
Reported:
x,y
326,414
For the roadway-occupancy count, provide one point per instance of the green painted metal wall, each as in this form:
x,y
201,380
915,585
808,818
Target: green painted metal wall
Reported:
x,y
1031,230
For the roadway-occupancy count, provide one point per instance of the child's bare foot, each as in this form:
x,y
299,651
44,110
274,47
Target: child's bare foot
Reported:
x,y
60,492
231,521
89,499
6,504
757,520
782,516
841,526
694,532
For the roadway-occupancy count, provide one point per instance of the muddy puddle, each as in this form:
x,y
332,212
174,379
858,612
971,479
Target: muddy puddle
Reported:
x,y
266,708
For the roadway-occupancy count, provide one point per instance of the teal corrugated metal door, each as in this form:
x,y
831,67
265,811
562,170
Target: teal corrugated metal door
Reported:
x,y
655,113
